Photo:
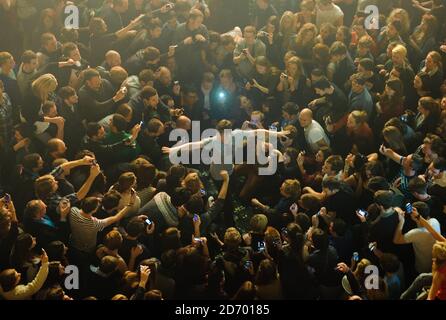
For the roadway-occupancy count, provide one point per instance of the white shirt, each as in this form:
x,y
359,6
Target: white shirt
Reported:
x,y
331,15
314,133
423,242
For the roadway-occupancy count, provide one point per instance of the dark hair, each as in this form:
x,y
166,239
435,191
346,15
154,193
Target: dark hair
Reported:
x,y
194,204
417,185
180,196
320,239
389,262
90,74
151,53
111,199
266,273
440,164
145,175
154,125
28,56
148,92
322,84
378,183
30,161
384,198
331,183
340,227
119,122
92,129
66,92
291,108
135,227
90,204
422,208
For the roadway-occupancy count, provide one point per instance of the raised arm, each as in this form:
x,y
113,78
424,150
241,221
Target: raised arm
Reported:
x,y
389,153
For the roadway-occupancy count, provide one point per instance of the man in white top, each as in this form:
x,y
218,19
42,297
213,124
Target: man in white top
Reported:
x,y
314,133
327,11
420,237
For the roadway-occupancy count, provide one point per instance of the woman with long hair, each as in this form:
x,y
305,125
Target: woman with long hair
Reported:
x,y
42,91
360,133
268,286
297,281
23,258
438,288
303,44
293,83
126,187
428,117
390,103
422,40
273,39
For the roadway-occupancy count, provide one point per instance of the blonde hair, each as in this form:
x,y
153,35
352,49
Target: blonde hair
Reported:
x,y
400,50
288,15
232,237
307,27
296,60
43,86
359,116
405,20
292,188
439,253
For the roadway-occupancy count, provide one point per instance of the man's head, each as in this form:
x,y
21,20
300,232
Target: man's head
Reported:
x,y
126,111
319,239
146,78
48,42
358,83
305,117
165,76
33,162
56,148
184,123
118,75
232,238
155,127
113,58
29,61
68,95
90,205
118,123
190,96
418,187
95,131
290,188
35,209
290,111
92,79
323,87
249,34
384,199
333,165
338,51
149,97
71,51
331,186
208,81
135,227
49,109
437,168
9,279
152,56
195,19
110,201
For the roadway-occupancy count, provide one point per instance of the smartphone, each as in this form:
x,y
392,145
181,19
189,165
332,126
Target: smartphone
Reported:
x,y
176,83
248,264
7,198
362,212
261,246
141,123
203,192
198,240
372,246
148,222
285,75
195,218
356,256
409,208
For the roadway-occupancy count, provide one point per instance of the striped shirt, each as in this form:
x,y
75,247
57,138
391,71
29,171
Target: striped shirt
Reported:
x,y
84,231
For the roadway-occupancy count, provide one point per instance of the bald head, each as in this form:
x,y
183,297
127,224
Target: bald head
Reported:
x,y
305,117
184,122
113,58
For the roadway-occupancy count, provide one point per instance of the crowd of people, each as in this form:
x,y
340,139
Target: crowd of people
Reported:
x,y
356,209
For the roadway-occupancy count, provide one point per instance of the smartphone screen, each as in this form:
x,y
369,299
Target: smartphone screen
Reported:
x,y
148,222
